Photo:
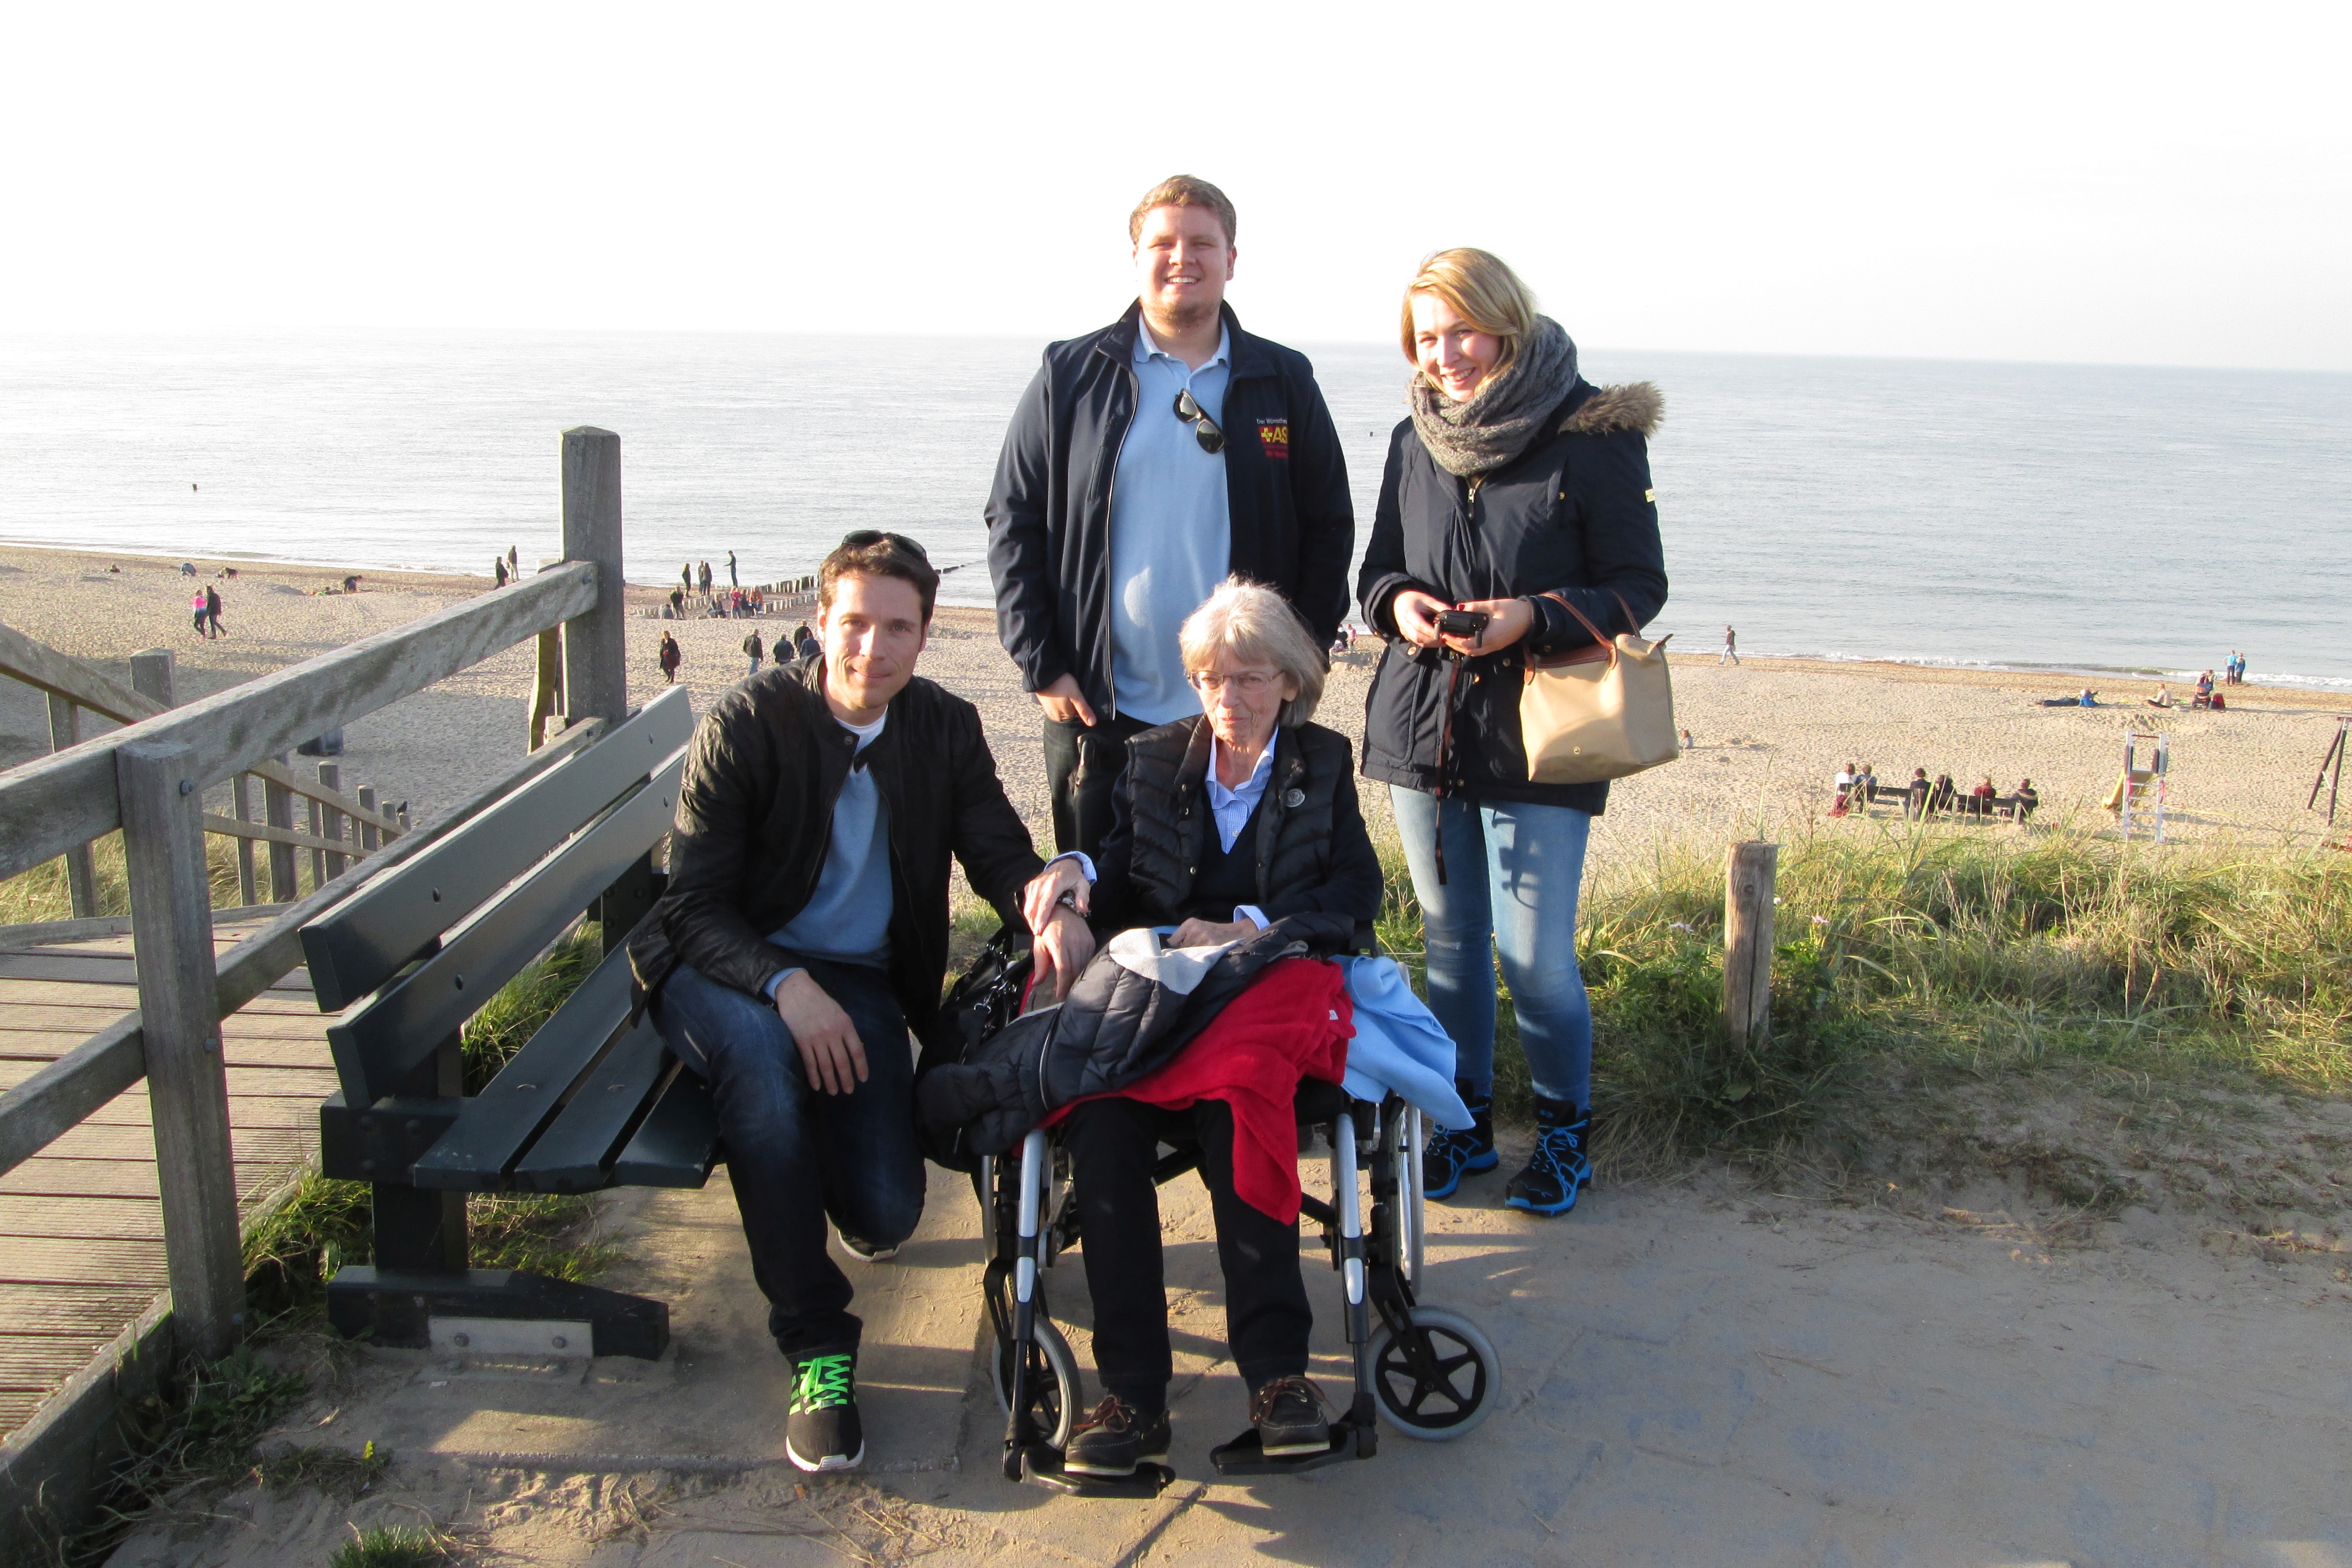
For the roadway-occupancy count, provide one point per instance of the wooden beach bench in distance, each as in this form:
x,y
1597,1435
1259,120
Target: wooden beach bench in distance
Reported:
x,y
592,1100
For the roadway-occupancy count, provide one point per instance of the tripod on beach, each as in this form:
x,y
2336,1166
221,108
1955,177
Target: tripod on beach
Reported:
x,y
2333,761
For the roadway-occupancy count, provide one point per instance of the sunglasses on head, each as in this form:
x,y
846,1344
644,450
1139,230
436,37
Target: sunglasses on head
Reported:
x,y
866,536
1204,429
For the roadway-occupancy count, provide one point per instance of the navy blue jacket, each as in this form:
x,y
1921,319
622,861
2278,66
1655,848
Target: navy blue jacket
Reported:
x,y
1294,527
1574,515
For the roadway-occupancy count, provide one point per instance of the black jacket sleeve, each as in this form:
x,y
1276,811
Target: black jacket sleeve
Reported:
x,y
1020,552
990,839
721,797
1383,570
1110,909
1325,513
1610,489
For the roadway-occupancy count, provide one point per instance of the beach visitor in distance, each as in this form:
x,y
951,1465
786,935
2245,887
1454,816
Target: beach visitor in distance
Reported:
x,y
1514,488
1730,648
1145,462
805,922
671,656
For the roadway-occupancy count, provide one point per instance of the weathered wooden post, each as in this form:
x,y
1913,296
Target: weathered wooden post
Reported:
x,y
1748,941
151,675
278,807
371,837
187,1086
240,790
81,872
331,823
595,643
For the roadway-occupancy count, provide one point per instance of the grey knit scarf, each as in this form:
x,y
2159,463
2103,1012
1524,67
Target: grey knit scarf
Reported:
x,y
1505,415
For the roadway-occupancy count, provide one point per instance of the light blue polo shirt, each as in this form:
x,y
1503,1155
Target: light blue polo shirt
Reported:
x,y
1170,528
848,918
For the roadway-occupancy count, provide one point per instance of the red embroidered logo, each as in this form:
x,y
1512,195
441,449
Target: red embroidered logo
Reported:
x,y
1273,434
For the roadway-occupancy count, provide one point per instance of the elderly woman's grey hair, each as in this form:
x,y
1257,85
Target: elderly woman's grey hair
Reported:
x,y
1257,625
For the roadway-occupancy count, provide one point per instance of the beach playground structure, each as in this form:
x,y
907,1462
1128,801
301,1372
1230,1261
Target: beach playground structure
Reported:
x,y
155,1102
2137,799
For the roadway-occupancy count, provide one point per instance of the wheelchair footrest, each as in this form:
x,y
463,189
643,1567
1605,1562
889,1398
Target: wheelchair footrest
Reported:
x,y
1241,1456
1042,1465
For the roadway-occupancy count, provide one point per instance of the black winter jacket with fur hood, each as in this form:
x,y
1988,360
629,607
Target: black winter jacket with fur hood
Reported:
x,y
1574,514
755,816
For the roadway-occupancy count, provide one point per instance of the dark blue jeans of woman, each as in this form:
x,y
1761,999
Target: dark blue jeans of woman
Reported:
x,y
796,1154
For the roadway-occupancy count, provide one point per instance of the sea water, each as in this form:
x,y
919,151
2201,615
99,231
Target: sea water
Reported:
x,y
2081,517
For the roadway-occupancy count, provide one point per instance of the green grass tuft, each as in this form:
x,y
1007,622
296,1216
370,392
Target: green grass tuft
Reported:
x,y
394,1546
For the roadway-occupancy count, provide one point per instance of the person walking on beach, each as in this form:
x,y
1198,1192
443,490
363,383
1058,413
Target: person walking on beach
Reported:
x,y
756,650
213,610
804,645
671,658
1730,648
196,608
1146,463
732,580
1520,491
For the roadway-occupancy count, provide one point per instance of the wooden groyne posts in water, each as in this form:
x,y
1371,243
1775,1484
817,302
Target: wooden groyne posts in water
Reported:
x,y
148,780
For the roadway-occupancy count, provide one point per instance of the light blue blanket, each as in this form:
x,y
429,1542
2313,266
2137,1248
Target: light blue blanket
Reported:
x,y
1400,1047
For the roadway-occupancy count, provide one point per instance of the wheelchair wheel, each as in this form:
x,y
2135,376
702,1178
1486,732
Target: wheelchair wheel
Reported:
x,y
1437,1380
1053,1382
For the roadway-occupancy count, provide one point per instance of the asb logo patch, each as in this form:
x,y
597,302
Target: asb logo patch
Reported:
x,y
1273,434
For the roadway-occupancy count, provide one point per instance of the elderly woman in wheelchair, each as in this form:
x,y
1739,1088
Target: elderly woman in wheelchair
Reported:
x,y
1238,821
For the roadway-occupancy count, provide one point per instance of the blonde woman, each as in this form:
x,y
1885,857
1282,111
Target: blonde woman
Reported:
x,y
1514,490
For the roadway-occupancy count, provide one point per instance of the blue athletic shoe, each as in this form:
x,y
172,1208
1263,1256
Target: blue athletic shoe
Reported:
x,y
1557,1169
1454,1155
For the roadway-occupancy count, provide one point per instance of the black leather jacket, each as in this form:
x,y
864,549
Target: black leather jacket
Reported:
x,y
755,815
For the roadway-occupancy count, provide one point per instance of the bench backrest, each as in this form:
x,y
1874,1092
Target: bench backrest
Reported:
x,y
515,875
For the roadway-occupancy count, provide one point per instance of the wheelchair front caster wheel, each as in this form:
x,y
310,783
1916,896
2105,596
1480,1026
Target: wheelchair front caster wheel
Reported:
x,y
1053,1382
1437,1380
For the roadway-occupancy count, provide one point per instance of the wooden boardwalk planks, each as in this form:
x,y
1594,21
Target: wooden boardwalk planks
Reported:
x,y
81,1247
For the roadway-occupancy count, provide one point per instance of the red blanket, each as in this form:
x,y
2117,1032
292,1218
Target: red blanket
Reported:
x,y
1294,1022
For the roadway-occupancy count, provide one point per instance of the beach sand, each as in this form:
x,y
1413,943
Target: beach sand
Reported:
x,y
1771,733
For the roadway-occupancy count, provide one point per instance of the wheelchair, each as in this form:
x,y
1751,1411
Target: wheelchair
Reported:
x,y
1429,1372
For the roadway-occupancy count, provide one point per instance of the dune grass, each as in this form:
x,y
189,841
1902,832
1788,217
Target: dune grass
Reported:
x,y
1950,954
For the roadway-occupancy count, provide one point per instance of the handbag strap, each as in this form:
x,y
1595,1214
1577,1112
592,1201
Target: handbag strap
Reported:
x,y
1603,638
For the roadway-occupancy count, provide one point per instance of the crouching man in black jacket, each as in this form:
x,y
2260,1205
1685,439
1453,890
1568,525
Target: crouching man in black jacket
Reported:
x,y
806,920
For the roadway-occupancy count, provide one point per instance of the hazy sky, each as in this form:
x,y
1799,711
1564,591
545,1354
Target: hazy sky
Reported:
x,y
2129,184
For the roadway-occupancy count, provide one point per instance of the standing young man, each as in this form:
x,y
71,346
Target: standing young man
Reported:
x,y
1146,462
805,922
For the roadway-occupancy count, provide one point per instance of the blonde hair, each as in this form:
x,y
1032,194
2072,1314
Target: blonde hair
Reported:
x,y
1258,625
1482,290
1183,191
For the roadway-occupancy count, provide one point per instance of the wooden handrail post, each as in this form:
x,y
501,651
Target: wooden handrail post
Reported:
x,y
241,792
331,826
187,1086
1748,941
595,643
153,674
278,811
82,871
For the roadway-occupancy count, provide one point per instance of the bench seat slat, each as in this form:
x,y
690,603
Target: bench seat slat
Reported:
x,y
576,1153
679,1143
365,939
498,1124
376,1047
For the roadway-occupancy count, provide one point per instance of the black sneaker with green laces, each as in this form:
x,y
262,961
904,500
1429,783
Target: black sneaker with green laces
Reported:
x,y
1112,1438
821,1430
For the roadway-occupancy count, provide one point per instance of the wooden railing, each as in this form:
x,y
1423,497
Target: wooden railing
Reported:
x,y
148,780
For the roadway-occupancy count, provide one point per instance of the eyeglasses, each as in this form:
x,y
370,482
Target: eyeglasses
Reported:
x,y
1249,683
1204,429
866,536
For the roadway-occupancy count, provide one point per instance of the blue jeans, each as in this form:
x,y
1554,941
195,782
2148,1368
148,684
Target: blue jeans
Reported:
x,y
1512,875
797,1154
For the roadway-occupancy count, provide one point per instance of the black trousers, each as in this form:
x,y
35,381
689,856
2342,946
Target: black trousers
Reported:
x,y
1083,767
1113,1146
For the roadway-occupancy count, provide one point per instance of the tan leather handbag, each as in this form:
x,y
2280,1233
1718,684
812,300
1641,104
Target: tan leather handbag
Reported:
x,y
1600,712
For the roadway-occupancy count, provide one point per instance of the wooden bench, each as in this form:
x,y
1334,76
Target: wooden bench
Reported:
x,y
589,1101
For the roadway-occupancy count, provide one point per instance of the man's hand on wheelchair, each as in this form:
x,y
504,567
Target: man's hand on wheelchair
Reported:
x,y
1061,949
831,1052
1208,933
1063,878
